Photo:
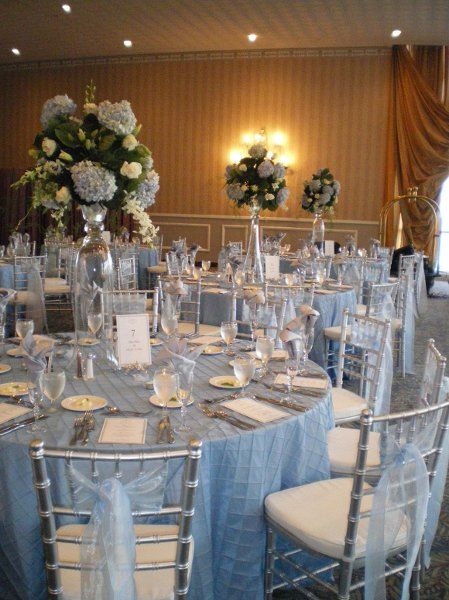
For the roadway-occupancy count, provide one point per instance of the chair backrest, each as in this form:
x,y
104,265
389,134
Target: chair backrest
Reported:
x,y
127,273
263,316
386,252
361,352
299,294
375,271
379,294
183,509
190,305
403,297
22,267
433,374
407,264
128,302
405,428
173,263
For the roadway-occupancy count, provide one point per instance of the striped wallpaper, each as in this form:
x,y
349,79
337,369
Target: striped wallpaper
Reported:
x,y
332,109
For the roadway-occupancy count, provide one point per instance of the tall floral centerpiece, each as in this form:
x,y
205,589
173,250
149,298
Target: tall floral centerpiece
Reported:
x,y
97,163
319,197
257,182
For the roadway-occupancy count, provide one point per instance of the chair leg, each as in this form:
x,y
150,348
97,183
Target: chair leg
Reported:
x,y
402,354
415,583
269,564
326,353
344,581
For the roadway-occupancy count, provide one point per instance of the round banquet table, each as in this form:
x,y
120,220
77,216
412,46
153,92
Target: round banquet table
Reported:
x,y
216,307
238,469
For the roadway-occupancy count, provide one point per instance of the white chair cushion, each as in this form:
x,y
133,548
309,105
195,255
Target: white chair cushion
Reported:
x,y
360,309
396,324
347,404
157,269
185,328
317,515
151,585
342,444
52,281
56,290
334,333
25,297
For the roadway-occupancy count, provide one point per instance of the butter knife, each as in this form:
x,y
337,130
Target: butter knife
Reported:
x,y
169,430
5,430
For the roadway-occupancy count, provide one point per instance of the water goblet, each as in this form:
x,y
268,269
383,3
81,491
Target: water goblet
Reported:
x,y
52,385
165,384
228,332
24,326
308,340
205,265
264,351
183,394
239,278
244,369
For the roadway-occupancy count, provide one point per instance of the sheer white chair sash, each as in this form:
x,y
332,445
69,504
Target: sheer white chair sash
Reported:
x,y
35,303
108,552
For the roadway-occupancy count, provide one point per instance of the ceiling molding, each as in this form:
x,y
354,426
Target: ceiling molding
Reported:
x,y
199,56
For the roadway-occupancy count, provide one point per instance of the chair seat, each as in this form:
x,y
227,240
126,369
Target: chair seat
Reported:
x,y
185,328
25,297
52,281
334,333
347,405
317,515
56,290
151,585
360,309
157,269
342,444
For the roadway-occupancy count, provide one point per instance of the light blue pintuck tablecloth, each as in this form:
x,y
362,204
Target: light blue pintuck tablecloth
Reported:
x,y
216,308
238,470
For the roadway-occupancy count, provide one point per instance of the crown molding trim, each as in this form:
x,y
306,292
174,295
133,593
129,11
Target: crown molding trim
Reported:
x,y
188,216
199,56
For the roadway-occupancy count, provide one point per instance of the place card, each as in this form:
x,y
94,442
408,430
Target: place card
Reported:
x,y
9,411
123,431
317,383
205,339
329,248
271,266
133,340
255,410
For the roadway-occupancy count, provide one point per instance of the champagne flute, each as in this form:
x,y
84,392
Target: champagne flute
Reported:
x,y
205,265
24,326
291,368
183,394
94,322
165,384
308,340
169,324
244,369
264,351
52,384
228,332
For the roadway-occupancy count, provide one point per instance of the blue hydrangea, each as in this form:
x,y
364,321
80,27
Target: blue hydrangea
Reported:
x,y
118,116
279,171
315,185
93,183
265,169
234,191
59,105
147,190
282,196
336,186
324,199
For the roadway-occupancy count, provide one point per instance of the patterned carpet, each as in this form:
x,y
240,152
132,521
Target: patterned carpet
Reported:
x,y
435,324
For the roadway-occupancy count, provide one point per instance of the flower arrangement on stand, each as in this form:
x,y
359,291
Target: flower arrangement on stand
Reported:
x,y
96,160
258,182
319,197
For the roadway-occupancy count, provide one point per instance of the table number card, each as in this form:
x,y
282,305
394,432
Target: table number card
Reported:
x,y
133,340
271,267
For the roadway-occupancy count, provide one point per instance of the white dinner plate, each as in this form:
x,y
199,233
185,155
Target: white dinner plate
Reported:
x,y
16,352
212,350
172,403
225,382
83,403
4,368
155,342
257,362
86,342
15,388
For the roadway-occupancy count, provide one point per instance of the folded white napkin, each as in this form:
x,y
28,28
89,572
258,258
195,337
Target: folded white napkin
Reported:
x,y
317,383
253,296
175,287
34,351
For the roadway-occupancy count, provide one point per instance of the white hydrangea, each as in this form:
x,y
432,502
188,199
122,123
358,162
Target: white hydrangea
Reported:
x,y
93,183
118,116
54,107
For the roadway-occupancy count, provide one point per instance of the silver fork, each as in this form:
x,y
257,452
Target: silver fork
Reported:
x,y
77,424
89,425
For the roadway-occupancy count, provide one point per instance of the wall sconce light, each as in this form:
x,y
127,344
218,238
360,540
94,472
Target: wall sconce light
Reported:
x,y
275,144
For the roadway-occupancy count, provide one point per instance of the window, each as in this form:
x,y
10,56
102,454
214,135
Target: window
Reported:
x,y
444,239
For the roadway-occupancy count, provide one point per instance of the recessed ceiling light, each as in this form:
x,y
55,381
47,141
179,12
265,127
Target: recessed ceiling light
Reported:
x,y
66,8
252,37
396,33
15,51
127,43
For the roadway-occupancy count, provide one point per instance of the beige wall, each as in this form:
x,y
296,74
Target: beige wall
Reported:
x,y
331,108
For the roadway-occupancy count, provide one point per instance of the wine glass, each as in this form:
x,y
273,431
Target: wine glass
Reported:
x,y
94,322
228,332
205,265
244,369
52,385
24,326
183,394
291,368
264,351
165,383
169,323
308,340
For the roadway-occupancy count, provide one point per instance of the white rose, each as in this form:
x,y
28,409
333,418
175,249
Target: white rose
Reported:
x,y
90,108
243,167
48,146
132,170
129,142
63,195
269,197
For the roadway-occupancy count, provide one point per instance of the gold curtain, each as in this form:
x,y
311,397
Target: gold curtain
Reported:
x,y
418,149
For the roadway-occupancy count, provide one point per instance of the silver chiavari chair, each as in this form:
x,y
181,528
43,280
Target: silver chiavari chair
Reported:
x,y
125,302
342,441
330,519
269,320
361,357
173,264
379,294
299,294
57,288
398,324
127,273
173,545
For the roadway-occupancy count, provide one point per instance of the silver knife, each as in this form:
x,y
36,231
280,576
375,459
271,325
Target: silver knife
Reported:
x,y
170,435
24,423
